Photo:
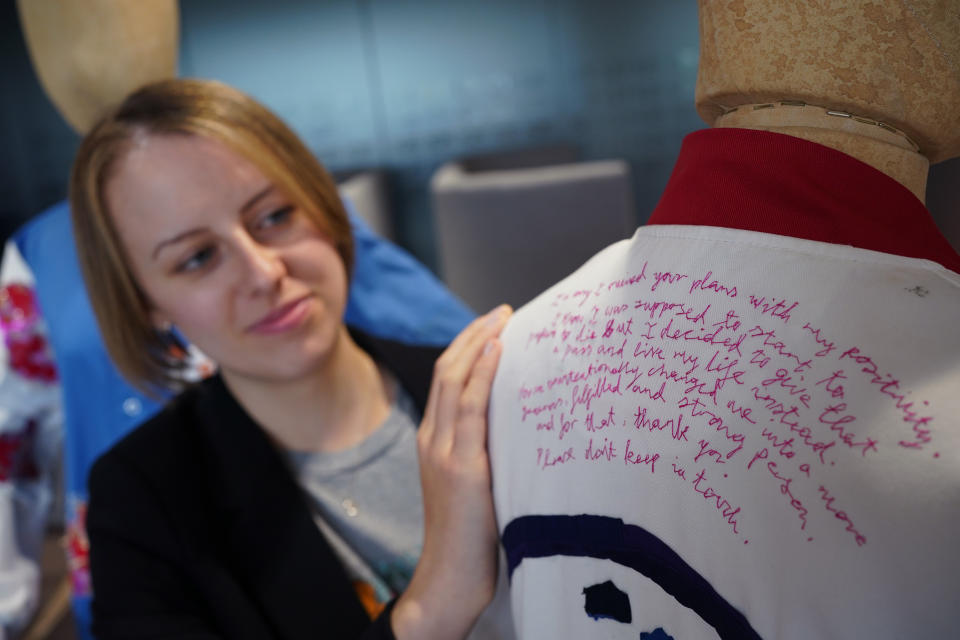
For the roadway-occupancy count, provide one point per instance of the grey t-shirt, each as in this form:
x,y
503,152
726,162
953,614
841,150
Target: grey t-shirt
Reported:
x,y
368,503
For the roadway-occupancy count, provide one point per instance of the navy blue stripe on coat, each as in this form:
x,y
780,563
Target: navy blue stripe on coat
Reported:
x,y
611,539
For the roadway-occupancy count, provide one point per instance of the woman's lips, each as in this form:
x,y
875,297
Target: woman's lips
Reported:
x,y
283,318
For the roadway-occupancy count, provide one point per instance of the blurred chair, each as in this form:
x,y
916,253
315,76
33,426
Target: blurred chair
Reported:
x,y
369,191
511,224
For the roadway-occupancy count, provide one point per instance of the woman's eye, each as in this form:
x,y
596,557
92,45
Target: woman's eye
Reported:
x,y
197,260
275,218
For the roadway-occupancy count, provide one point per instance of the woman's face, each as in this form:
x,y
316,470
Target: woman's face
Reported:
x,y
227,257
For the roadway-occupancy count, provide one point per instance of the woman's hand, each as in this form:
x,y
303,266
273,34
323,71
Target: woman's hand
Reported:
x,y
457,573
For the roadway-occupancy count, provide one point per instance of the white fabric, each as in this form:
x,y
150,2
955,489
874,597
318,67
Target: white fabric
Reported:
x,y
860,544
24,503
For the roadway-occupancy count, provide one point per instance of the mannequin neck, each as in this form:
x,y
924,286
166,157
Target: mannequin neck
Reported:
x,y
882,147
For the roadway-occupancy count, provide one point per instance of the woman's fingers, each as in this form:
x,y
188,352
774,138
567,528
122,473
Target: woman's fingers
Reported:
x,y
471,434
451,374
456,575
465,337
446,359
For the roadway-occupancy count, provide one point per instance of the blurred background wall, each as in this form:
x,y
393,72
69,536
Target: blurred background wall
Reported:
x,y
406,85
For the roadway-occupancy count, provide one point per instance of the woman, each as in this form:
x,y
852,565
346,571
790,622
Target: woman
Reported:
x,y
279,498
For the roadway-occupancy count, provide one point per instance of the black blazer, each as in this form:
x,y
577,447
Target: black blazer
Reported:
x,y
198,530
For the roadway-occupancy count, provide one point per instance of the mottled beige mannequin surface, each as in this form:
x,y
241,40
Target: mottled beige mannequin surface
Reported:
x,y
89,54
897,62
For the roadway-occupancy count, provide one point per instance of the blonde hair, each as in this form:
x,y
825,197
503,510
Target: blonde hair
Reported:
x,y
181,106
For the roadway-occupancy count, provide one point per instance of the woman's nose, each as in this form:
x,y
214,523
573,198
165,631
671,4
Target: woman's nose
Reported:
x,y
263,266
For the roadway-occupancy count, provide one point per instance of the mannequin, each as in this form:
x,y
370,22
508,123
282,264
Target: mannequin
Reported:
x,y
89,55
75,48
741,422
898,66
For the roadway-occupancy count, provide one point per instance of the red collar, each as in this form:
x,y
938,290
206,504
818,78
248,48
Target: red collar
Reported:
x,y
775,183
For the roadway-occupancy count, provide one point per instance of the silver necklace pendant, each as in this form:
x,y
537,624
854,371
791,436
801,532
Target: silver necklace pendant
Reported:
x,y
350,508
